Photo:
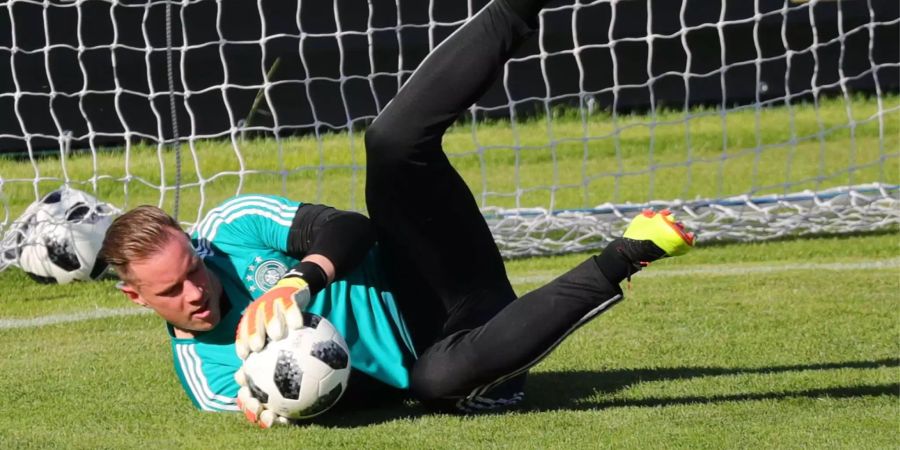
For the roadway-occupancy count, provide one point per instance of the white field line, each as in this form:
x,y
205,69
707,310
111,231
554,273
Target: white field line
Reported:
x,y
735,269
711,270
53,319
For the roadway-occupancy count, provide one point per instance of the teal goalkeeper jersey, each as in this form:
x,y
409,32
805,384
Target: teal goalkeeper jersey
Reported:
x,y
244,242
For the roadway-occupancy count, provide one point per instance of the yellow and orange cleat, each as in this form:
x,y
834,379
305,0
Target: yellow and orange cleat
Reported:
x,y
663,231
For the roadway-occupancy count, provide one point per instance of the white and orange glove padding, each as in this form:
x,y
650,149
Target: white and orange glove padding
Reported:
x,y
273,314
253,409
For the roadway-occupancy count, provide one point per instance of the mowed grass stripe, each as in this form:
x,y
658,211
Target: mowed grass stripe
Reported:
x,y
724,270
800,359
56,319
540,278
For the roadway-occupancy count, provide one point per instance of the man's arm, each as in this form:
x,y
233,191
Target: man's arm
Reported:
x,y
329,243
206,373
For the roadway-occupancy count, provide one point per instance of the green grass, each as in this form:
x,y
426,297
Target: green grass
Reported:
x,y
790,344
564,162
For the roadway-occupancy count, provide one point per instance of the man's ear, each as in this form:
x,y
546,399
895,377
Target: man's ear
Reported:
x,y
131,293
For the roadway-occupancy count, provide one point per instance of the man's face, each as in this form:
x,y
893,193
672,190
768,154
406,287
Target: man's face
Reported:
x,y
175,283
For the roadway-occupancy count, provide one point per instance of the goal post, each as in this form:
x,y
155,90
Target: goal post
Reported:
x,y
750,119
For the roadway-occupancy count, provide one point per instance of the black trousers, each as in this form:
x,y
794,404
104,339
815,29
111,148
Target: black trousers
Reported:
x,y
450,281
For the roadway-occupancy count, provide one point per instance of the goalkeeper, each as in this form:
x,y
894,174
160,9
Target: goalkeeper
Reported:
x,y
418,290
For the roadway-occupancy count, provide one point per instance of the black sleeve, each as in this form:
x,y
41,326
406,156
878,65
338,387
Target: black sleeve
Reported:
x,y
343,237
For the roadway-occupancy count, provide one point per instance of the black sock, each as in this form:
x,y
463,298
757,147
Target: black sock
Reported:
x,y
613,263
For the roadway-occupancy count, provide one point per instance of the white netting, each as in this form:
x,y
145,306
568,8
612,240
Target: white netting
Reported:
x,y
859,209
767,118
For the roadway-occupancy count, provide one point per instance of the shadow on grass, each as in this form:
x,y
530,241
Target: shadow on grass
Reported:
x,y
549,391
573,390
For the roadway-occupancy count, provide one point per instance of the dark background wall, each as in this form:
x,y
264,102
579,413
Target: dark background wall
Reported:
x,y
99,72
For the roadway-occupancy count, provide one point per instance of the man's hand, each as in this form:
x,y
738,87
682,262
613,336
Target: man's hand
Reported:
x,y
253,410
273,314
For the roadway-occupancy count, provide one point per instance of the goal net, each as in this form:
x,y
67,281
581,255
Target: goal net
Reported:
x,y
750,119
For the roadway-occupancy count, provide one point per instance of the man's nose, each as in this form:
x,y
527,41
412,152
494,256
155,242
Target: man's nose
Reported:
x,y
193,290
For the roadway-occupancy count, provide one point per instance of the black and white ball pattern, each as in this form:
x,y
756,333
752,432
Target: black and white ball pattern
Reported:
x,y
303,374
58,237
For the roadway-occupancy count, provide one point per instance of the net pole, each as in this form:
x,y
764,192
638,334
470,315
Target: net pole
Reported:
x,y
173,112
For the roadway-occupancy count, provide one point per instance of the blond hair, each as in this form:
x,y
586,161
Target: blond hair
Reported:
x,y
136,236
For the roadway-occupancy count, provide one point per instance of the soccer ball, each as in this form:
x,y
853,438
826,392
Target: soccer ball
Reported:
x,y
302,375
58,237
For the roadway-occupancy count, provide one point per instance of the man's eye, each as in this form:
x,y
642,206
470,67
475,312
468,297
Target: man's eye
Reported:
x,y
171,292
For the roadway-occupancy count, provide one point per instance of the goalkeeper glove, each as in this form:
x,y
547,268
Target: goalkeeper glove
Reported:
x,y
272,315
253,409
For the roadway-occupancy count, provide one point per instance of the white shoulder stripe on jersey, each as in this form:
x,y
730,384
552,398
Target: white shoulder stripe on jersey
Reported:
x,y
193,373
247,212
204,241
235,202
229,402
209,223
242,202
227,208
186,367
233,209
271,208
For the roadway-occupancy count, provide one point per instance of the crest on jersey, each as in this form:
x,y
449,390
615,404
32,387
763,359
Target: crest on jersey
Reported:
x,y
263,274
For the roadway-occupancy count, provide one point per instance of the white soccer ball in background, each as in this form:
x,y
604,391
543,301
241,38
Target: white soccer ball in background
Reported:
x,y
58,237
302,375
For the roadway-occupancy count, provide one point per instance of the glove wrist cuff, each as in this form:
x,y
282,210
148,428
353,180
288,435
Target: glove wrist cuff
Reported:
x,y
311,273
